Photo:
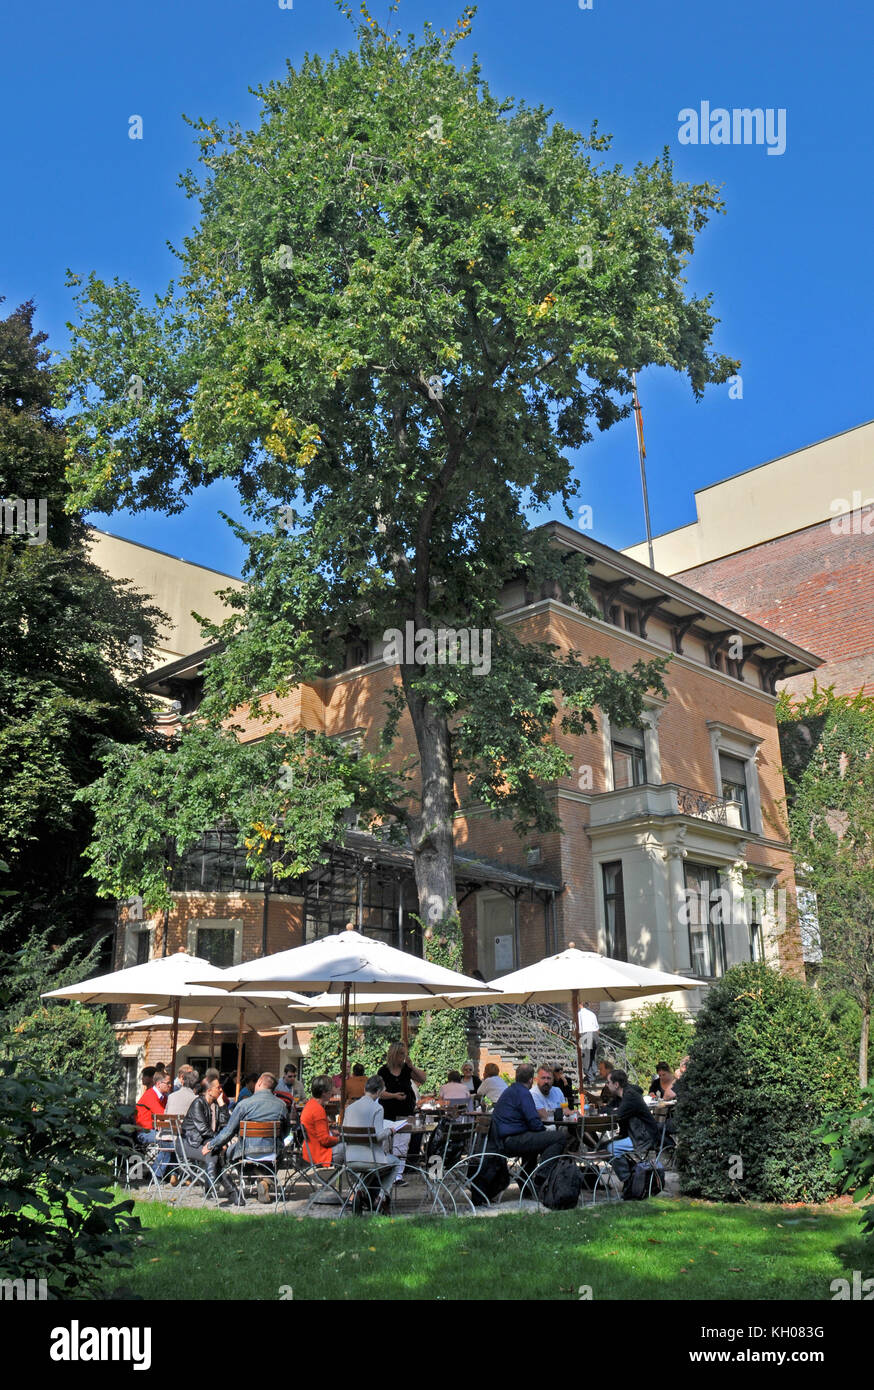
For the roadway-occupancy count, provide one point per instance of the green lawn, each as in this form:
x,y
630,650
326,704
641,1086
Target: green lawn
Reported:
x,y
662,1249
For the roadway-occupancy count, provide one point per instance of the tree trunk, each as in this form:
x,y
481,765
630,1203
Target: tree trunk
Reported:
x,y
431,831
863,1043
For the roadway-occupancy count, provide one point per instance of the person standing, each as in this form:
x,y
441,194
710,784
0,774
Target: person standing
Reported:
x,y
398,1100
589,1033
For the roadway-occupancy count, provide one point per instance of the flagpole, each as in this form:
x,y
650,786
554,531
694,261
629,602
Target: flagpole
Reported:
x,y
641,453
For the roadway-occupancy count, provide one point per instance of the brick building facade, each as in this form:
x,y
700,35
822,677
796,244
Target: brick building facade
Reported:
x,y
687,809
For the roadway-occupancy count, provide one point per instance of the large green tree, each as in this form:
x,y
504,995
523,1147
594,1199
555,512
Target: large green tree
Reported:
x,y
66,660
404,300
828,743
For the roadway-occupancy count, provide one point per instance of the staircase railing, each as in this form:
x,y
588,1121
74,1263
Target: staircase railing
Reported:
x,y
540,1033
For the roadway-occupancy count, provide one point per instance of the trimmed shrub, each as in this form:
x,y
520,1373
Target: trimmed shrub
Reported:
x,y
760,1081
657,1033
58,1217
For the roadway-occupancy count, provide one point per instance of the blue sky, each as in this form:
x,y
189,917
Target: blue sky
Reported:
x,y
790,264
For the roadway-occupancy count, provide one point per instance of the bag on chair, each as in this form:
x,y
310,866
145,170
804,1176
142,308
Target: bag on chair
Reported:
x,y
488,1179
646,1180
562,1187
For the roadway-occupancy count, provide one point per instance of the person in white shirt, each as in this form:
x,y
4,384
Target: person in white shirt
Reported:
x,y
454,1089
589,1029
492,1085
547,1097
367,1113
179,1102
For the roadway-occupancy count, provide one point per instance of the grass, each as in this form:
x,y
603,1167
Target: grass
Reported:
x,y
661,1249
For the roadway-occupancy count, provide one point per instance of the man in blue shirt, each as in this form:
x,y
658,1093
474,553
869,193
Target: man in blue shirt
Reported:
x,y
517,1128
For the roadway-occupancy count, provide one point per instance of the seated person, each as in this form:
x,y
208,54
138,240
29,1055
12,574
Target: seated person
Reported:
x,y
320,1144
152,1102
563,1083
289,1083
492,1086
204,1119
637,1128
262,1106
367,1113
469,1078
356,1082
454,1090
517,1129
547,1097
179,1101
248,1087
662,1085
605,1066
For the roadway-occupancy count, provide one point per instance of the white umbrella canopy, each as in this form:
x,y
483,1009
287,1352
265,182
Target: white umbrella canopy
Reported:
x,y
347,961
573,975
284,1009
587,974
161,981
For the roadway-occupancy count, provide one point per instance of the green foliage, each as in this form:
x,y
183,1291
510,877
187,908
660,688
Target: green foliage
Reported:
x,y
388,222
845,1016
831,820
441,1040
56,1038
657,1033
58,1217
760,1081
66,665
367,1045
284,795
851,1135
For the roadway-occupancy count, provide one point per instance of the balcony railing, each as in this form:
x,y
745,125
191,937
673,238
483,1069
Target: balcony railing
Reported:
x,y
664,799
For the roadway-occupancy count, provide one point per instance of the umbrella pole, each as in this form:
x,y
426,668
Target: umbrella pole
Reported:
x,y
175,1034
239,1052
212,1044
405,1025
346,991
575,1005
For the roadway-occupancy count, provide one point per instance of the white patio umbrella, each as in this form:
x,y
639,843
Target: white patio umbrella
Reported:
x,y
573,975
347,962
166,983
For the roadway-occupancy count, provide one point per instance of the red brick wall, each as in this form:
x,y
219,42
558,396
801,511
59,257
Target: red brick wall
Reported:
x,y
813,587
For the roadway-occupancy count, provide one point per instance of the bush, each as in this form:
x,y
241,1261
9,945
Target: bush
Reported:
x,y
852,1135
657,1033
759,1083
58,1217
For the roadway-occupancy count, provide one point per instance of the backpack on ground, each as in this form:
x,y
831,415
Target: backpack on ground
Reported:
x,y
562,1186
646,1180
488,1178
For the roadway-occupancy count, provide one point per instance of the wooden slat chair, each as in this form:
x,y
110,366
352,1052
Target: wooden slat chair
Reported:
x,y
359,1169
262,1165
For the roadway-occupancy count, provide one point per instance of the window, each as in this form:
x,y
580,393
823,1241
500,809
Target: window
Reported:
x,y
614,910
216,944
143,946
757,941
733,773
130,1077
629,758
706,928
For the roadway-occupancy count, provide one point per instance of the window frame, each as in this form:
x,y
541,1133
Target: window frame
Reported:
x,y
615,899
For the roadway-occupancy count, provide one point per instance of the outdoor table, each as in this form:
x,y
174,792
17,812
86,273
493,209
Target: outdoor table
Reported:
x,y
427,1127
595,1125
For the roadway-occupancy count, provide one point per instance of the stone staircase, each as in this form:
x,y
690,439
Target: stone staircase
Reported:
x,y
540,1033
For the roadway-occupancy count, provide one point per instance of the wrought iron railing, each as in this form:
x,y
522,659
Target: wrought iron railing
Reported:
x,y
539,1033
704,805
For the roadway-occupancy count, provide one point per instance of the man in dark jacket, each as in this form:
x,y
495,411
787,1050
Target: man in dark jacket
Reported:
x,y
637,1127
518,1130
203,1121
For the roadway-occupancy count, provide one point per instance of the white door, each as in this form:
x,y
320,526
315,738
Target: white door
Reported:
x,y
496,946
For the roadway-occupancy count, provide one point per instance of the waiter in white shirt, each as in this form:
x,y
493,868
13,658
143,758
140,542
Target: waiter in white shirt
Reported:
x,y
589,1029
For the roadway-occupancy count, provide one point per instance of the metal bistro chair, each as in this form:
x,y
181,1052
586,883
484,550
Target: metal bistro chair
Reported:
x,y
132,1166
324,1181
185,1169
265,1165
465,1177
360,1173
597,1163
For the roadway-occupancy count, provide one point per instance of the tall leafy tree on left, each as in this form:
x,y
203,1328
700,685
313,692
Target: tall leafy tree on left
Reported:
x,y
67,663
